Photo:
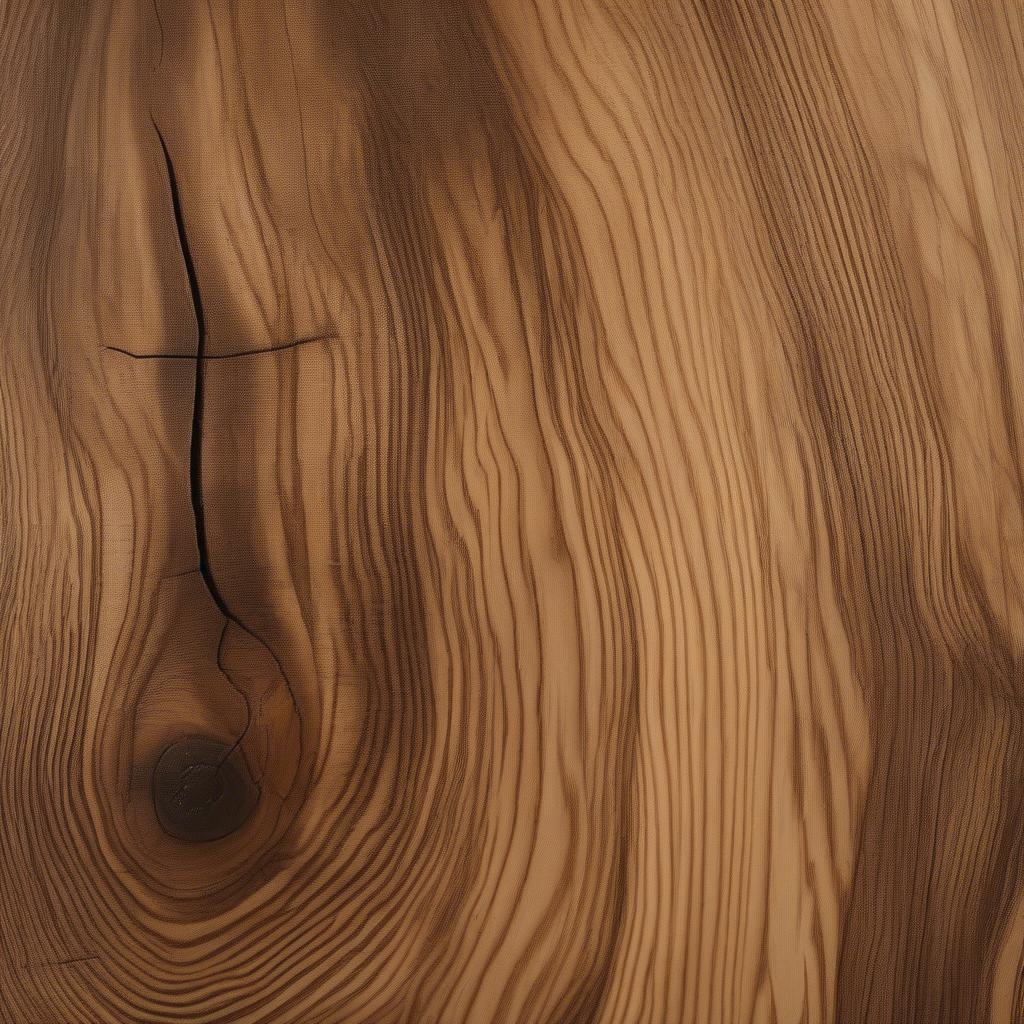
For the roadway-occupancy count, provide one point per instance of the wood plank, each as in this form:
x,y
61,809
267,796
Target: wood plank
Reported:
x,y
511,512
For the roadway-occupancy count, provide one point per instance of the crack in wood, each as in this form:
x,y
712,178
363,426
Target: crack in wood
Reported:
x,y
241,354
196,460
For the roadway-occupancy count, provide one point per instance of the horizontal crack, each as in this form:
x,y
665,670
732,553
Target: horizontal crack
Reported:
x,y
41,965
222,355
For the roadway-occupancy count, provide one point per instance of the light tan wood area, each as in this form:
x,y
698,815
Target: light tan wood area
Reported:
x,y
511,511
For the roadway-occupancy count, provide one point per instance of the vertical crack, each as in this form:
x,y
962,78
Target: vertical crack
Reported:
x,y
196,443
196,458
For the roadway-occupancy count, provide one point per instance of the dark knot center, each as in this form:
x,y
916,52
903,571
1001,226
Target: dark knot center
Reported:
x,y
201,790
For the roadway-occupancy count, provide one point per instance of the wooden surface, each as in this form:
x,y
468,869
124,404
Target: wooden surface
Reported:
x,y
511,511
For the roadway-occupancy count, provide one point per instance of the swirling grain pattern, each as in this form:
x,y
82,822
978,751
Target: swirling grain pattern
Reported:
x,y
510,512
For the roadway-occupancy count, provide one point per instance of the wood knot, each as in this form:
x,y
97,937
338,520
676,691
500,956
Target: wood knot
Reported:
x,y
202,790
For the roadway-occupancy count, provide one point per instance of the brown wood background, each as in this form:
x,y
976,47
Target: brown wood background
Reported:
x,y
566,453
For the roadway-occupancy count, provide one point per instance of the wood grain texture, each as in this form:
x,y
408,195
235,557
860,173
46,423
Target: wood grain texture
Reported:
x,y
511,512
